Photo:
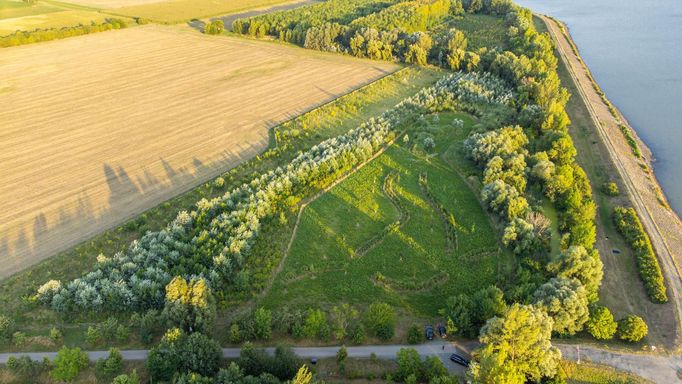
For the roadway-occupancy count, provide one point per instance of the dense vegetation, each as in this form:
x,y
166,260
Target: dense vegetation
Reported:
x,y
631,228
38,35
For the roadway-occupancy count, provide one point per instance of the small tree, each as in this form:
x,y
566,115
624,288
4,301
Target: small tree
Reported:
x,y
601,324
55,335
235,334
314,323
632,328
214,27
380,319
108,367
409,364
127,379
263,323
342,354
93,336
68,364
414,334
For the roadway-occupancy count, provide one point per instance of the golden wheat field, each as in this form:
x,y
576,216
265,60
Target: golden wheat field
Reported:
x,y
98,128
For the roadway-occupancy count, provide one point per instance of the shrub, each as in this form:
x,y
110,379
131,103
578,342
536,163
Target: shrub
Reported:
x,y
414,334
631,228
108,367
429,144
263,323
68,364
611,189
127,379
93,336
6,325
23,367
314,324
214,27
380,319
55,334
19,338
632,328
601,324
357,334
235,334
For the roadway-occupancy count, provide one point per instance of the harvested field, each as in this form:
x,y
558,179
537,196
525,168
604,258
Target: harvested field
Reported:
x,y
176,11
173,109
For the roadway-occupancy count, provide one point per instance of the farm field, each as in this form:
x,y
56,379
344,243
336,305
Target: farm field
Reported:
x,y
17,15
176,11
378,236
170,113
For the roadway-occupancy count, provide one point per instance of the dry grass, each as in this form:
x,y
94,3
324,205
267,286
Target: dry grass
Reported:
x,y
97,129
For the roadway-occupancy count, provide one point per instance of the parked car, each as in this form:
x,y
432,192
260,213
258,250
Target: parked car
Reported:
x,y
459,360
442,331
429,332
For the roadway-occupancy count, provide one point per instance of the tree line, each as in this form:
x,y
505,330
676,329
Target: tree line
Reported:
x,y
39,35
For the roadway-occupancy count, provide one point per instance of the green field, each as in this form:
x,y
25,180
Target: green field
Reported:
x,y
176,11
16,15
380,235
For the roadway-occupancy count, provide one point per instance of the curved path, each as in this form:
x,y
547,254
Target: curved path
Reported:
x,y
607,127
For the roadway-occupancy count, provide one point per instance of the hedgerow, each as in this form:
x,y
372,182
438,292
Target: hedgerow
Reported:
x,y
38,35
631,228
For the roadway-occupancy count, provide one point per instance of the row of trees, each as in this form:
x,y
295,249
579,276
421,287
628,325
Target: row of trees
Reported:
x,y
631,228
343,322
38,35
212,241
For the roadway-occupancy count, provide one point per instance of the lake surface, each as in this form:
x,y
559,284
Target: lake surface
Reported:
x,y
634,50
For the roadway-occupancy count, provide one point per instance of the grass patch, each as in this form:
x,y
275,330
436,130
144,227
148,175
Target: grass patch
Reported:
x,y
589,373
73,263
480,30
379,235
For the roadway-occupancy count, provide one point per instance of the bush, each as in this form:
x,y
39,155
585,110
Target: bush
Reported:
x,y
611,189
632,328
357,334
68,364
6,325
55,334
414,334
214,27
127,379
315,323
19,338
429,144
263,323
601,324
380,319
283,365
108,367
631,228
23,367
180,353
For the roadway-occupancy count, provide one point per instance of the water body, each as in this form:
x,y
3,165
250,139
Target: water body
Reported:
x,y
634,50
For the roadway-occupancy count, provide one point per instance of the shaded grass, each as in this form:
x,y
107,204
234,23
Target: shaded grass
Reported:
x,y
411,265
36,320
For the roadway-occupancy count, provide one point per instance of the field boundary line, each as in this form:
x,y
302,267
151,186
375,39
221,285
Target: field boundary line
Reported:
x,y
640,206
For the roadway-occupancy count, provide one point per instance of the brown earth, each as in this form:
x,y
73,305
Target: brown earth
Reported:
x,y
96,129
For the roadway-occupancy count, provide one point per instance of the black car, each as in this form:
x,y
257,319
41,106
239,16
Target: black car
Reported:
x,y
429,332
459,360
441,331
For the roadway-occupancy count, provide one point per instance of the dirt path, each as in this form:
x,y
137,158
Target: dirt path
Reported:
x,y
662,225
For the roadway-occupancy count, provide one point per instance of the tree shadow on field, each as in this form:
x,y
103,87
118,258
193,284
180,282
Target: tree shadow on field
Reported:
x,y
197,24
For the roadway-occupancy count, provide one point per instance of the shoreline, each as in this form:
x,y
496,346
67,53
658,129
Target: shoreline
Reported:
x,y
642,189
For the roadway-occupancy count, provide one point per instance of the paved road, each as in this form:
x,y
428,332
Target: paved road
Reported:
x,y
659,369
605,122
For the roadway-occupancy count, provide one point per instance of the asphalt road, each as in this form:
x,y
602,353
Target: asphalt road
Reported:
x,y
659,369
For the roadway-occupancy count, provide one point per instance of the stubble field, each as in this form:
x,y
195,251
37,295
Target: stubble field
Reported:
x,y
99,128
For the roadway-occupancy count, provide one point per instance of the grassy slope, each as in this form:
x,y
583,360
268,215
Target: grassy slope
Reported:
x,y
34,320
480,30
418,268
621,290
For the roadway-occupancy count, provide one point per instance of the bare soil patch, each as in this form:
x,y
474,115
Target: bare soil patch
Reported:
x,y
99,128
